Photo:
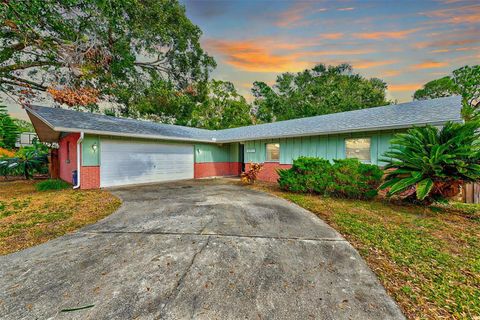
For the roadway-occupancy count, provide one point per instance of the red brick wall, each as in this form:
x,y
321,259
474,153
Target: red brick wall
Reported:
x,y
269,170
217,169
66,167
90,177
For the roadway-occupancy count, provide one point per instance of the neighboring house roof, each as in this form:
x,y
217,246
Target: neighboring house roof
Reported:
x,y
404,115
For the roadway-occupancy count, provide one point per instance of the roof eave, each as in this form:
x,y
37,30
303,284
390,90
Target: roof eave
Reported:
x,y
131,135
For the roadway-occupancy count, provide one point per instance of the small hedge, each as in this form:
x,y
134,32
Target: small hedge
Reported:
x,y
345,178
52,184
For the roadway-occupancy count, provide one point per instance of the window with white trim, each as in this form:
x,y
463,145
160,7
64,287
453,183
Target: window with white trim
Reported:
x,y
358,148
273,152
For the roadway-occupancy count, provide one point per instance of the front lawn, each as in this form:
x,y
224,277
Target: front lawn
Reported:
x,y
428,259
29,217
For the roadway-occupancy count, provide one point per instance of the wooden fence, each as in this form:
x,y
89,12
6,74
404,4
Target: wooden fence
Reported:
x,y
471,193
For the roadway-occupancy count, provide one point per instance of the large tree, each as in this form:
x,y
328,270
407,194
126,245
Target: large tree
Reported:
x,y
317,91
9,131
464,81
443,87
222,108
88,49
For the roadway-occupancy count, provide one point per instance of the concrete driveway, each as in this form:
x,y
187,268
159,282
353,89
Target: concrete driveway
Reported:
x,y
195,250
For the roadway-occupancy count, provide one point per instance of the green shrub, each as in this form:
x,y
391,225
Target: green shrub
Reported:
x,y
307,175
430,164
52,184
355,180
348,178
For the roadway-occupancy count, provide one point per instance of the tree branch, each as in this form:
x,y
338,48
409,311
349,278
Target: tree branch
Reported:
x,y
26,65
8,79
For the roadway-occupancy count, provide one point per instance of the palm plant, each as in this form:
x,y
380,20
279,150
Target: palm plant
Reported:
x,y
428,163
26,161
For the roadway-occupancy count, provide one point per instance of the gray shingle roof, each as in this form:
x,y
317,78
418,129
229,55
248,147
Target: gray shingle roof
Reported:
x,y
74,121
435,112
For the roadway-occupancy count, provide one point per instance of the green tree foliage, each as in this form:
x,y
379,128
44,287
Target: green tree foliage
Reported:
x,y
430,164
210,105
107,45
467,80
222,108
443,87
23,125
9,131
464,81
27,161
345,178
160,101
318,91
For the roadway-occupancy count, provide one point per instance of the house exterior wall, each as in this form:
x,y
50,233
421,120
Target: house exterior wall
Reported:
x,y
90,177
90,169
328,147
213,160
90,157
67,159
269,170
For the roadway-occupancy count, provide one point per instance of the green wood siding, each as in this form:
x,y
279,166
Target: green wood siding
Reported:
x,y
216,153
89,156
329,147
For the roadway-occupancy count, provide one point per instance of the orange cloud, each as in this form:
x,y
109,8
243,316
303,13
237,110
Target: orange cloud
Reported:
x,y
346,52
429,65
346,9
446,43
390,73
248,56
386,34
372,64
274,43
332,36
293,15
457,15
455,49
404,87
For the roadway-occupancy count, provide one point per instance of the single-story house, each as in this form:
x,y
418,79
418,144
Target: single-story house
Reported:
x,y
108,151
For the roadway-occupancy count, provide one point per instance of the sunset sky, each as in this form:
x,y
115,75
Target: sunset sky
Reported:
x,y
405,43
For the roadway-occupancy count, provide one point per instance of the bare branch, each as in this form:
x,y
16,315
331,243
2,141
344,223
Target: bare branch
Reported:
x,y
12,80
26,65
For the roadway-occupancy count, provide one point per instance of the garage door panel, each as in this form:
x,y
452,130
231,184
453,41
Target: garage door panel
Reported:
x,y
128,162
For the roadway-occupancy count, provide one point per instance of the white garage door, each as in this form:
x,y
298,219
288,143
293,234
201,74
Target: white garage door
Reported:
x,y
129,162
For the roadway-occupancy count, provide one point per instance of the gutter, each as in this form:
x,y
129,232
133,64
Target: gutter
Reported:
x,y
79,165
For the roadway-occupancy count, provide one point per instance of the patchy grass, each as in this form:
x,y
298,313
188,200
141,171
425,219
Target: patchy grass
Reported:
x,y
29,217
52,184
428,259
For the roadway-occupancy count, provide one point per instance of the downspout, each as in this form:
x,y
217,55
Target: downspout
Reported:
x,y
79,165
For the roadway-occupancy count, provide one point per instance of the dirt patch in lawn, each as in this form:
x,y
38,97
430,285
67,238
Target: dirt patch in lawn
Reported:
x,y
29,217
428,259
